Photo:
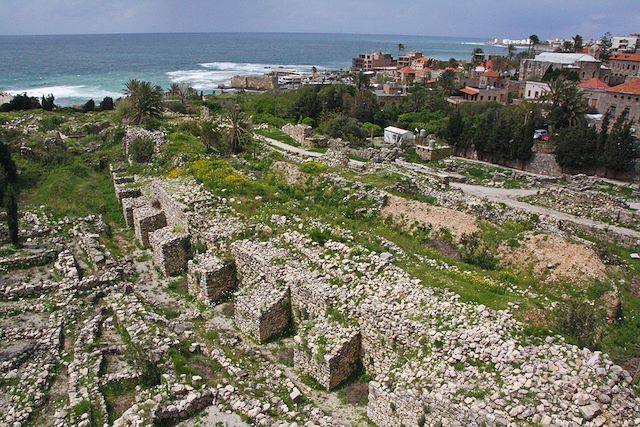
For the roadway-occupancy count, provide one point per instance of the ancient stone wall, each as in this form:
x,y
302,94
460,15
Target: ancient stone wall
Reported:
x,y
171,250
147,219
209,278
254,82
176,212
263,312
128,205
300,133
327,351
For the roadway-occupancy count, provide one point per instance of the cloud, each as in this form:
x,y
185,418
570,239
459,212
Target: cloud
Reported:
x,y
481,18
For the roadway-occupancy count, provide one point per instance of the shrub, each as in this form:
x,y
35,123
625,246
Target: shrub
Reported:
x,y
21,102
313,167
90,105
475,252
141,150
580,321
106,104
50,122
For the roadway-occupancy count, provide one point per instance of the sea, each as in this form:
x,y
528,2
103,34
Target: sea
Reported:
x,y
76,68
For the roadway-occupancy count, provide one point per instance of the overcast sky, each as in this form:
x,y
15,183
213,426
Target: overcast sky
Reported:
x,y
477,18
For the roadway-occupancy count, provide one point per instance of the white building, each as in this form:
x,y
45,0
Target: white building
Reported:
x,y
534,90
396,136
628,43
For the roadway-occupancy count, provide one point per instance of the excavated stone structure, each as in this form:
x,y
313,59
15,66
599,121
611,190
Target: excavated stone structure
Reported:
x,y
263,312
147,219
328,351
209,278
128,205
171,250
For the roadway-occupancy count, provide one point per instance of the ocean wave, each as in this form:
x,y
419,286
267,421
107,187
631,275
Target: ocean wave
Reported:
x,y
212,74
68,92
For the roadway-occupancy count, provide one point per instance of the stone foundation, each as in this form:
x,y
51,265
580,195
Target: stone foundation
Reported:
x,y
311,294
263,312
175,211
128,205
257,261
327,351
147,219
126,191
209,278
171,250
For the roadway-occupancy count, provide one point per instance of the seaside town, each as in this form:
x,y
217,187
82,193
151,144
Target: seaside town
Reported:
x,y
411,242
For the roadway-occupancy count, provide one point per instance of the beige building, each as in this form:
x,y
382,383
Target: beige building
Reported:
x,y
593,90
407,59
586,65
373,61
623,98
624,66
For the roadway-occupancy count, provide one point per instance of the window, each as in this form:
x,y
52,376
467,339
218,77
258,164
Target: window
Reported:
x,y
529,94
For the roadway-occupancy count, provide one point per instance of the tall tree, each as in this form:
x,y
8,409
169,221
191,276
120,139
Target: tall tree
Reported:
x,y
567,104
576,146
364,105
8,191
578,43
455,128
619,153
606,47
523,140
567,46
511,50
145,100
603,134
533,41
400,49
447,82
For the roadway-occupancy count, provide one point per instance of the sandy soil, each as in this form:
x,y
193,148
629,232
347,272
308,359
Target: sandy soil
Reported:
x,y
408,213
568,261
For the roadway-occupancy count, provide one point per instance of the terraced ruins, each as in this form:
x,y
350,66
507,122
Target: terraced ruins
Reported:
x,y
280,290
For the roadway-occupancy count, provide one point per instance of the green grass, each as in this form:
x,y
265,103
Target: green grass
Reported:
x,y
278,135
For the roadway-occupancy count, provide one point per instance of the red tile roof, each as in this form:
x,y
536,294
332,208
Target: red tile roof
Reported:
x,y
470,91
635,57
423,59
631,87
407,70
593,83
488,63
490,73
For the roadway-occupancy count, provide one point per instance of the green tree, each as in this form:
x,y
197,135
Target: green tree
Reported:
x,y
578,43
364,105
90,105
523,141
603,134
533,41
211,136
618,155
145,101
48,103
477,55
361,80
447,82
567,104
8,191
455,128
575,147
373,129
606,47
400,48
106,104
511,50
567,46
307,103
239,132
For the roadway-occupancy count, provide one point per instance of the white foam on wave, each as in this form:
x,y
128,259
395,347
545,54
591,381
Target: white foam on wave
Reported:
x,y
213,74
68,92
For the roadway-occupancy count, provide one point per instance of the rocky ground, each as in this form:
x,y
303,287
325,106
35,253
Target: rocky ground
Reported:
x,y
320,292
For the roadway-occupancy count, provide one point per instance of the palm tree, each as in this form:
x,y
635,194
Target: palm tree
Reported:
x,y
511,50
567,102
533,41
567,46
477,56
578,43
145,100
239,130
400,48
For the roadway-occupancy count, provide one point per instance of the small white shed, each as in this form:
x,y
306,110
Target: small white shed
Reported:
x,y
397,136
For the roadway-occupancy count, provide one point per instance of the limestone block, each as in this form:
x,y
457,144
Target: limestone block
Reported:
x,y
311,293
257,261
122,179
263,312
328,351
125,191
128,205
171,249
147,219
209,278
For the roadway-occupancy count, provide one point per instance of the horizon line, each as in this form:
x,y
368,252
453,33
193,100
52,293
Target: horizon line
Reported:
x,y
244,32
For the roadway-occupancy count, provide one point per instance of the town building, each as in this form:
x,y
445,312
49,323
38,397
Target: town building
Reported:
x,y
407,59
373,61
593,90
535,90
624,66
396,136
586,66
407,75
630,43
624,98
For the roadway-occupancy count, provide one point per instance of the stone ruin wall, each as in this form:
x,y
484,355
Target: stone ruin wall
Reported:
x,y
171,250
209,278
176,212
254,82
269,289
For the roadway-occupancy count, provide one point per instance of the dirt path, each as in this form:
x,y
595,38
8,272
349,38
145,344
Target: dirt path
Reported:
x,y
301,151
510,198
